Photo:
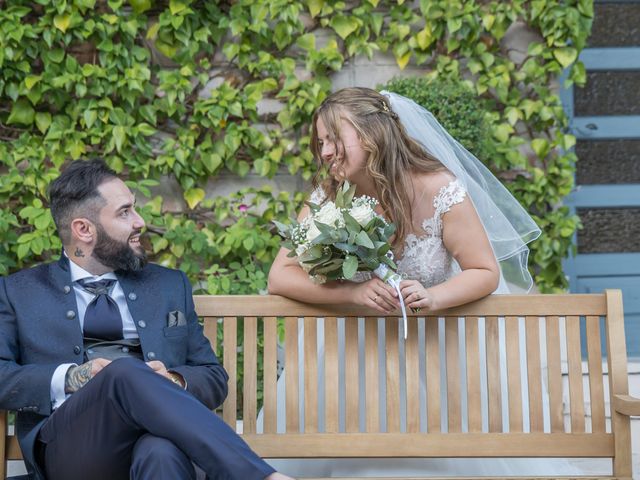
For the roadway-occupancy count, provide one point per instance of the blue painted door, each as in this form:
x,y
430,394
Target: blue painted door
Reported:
x,y
605,118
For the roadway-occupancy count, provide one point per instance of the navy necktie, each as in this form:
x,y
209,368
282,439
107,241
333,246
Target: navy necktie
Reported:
x,y
102,319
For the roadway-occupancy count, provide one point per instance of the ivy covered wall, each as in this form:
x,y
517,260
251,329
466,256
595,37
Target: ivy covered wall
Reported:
x,y
185,90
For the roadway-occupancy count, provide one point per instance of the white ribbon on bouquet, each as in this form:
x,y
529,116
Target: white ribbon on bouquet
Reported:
x,y
384,273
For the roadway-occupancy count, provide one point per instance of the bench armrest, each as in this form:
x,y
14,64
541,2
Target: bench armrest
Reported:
x,y
627,405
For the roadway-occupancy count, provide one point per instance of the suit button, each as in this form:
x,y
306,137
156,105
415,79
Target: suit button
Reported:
x,y
125,349
151,355
71,314
66,289
133,296
142,324
77,350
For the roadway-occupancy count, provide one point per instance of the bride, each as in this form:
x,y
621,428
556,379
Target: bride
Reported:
x,y
460,234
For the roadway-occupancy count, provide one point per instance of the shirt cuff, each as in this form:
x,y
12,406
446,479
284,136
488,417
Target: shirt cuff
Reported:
x,y
57,385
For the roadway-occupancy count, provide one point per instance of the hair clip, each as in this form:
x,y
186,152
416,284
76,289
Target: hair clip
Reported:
x,y
385,107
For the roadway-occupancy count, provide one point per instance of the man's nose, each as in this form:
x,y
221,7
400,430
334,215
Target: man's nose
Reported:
x,y
138,221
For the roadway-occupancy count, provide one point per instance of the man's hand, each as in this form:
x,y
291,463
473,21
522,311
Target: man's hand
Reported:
x,y
158,367
78,376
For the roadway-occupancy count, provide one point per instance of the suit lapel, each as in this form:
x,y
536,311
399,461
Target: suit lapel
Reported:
x,y
60,277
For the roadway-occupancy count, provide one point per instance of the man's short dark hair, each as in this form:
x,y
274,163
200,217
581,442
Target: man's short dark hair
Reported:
x,y
75,194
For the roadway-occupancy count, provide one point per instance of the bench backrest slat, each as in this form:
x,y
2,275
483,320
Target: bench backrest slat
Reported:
x,y
270,360
250,375
473,374
534,373
392,375
433,373
352,390
412,365
230,335
512,343
372,379
454,404
574,361
596,388
554,373
493,374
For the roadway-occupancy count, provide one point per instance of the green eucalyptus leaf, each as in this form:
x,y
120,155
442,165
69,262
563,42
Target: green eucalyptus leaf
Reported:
x,y
350,266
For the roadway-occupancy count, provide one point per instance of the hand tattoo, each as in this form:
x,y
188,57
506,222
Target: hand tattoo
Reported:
x,y
78,252
77,377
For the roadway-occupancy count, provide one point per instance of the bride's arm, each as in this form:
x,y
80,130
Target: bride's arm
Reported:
x,y
287,278
464,237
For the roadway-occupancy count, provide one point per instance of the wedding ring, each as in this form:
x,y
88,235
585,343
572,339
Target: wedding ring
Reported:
x,y
375,299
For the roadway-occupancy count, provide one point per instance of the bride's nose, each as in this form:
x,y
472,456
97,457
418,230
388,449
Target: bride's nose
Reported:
x,y
328,151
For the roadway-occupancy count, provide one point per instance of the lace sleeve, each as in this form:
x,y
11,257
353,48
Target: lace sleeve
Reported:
x,y
317,196
448,196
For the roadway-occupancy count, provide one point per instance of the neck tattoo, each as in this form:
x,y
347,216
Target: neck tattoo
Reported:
x,y
78,252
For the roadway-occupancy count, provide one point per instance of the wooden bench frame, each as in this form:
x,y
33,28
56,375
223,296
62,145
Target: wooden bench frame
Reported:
x,y
558,317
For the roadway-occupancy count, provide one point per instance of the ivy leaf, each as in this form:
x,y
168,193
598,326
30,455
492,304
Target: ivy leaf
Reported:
x,y
344,26
90,116
565,56
140,6
194,196
307,42
43,120
22,112
315,7
176,6
403,60
540,146
152,33
31,80
62,22
425,37
211,161
350,266
502,132
119,135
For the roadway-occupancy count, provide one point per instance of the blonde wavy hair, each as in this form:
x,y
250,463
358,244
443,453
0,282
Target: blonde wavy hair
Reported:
x,y
393,159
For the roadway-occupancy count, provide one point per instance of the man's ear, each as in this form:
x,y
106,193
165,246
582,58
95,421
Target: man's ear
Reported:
x,y
83,230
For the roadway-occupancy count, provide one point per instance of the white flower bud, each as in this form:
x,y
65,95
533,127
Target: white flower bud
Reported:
x,y
330,215
312,233
362,214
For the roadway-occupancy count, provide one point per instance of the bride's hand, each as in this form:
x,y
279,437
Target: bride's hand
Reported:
x,y
376,294
416,296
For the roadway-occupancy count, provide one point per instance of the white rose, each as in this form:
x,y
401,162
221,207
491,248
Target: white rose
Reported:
x,y
329,215
312,233
362,214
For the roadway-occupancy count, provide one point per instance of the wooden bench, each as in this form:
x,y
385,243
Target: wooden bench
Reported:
x,y
549,327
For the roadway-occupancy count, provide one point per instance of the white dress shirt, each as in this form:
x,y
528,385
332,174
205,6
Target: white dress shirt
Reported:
x,y
83,298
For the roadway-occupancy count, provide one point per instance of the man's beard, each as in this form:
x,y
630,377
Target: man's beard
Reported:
x,y
116,254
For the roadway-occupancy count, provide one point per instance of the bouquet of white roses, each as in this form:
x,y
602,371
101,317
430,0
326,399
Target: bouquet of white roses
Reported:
x,y
341,238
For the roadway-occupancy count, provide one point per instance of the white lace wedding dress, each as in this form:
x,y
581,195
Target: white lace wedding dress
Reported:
x,y
426,259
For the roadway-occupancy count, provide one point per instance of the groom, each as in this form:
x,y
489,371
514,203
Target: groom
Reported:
x,y
82,412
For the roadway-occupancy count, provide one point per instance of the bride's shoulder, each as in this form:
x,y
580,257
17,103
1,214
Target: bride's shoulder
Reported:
x,y
435,184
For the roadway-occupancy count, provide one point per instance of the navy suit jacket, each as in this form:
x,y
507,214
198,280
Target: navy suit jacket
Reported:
x,y
39,330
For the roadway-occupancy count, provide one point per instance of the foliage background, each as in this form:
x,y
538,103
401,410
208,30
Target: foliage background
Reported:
x,y
174,89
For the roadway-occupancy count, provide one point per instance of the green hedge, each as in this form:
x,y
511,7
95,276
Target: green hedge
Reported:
x,y
172,88
456,106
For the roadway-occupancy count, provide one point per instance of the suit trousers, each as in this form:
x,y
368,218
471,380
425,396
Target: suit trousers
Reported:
x,y
130,422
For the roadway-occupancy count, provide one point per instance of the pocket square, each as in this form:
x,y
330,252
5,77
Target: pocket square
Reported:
x,y
176,318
